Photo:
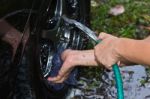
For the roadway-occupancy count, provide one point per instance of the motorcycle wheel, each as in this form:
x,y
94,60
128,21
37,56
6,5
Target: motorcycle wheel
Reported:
x,y
51,34
33,62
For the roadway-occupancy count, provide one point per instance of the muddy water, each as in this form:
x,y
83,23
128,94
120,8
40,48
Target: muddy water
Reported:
x,y
136,85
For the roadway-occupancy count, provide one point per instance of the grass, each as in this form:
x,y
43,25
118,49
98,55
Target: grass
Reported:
x,y
137,14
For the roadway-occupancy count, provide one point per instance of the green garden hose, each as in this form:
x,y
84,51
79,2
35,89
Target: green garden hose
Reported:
x,y
91,34
118,79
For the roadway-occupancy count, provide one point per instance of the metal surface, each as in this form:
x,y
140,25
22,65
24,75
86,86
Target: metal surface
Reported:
x,y
62,33
91,34
82,27
58,13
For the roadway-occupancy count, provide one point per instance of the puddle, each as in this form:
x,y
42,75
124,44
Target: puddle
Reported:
x,y
136,85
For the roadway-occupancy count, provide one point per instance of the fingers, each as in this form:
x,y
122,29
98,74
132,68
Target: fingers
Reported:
x,y
58,78
104,35
66,68
63,72
68,56
105,52
54,79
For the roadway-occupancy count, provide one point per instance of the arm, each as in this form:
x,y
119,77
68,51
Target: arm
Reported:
x,y
71,59
83,58
113,50
136,51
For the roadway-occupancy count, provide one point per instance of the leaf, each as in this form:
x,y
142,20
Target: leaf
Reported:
x,y
146,17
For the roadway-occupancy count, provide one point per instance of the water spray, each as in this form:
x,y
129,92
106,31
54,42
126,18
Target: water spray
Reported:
x,y
91,34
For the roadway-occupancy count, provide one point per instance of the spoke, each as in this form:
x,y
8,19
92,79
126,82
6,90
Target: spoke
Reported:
x,y
54,22
62,35
58,11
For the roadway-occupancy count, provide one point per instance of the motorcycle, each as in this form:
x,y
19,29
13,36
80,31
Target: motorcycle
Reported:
x,y
32,37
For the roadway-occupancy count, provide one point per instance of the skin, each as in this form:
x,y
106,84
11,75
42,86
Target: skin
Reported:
x,y
111,50
71,59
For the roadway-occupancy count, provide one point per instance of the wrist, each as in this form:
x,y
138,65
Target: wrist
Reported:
x,y
120,47
126,49
74,56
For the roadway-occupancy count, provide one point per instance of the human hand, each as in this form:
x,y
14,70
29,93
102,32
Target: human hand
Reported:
x,y
72,58
106,52
68,64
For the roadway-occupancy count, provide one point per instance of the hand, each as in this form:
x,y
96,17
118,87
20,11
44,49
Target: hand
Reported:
x,y
106,52
68,64
71,59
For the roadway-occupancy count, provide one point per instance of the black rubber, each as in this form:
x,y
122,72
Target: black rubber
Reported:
x,y
22,78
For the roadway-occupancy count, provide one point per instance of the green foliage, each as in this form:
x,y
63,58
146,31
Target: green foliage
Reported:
x,y
91,72
124,25
137,13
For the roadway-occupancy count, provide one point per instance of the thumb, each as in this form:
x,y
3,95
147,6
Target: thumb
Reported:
x,y
104,35
65,54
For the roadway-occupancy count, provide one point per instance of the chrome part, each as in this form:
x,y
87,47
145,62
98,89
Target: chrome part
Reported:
x,y
48,65
82,27
45,57
58,13
62,35
55,23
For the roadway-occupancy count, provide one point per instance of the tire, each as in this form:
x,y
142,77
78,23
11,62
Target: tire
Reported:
x,y
27,75
75,9
6,79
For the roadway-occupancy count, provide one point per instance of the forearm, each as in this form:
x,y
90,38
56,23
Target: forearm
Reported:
x,y
136,51
85,58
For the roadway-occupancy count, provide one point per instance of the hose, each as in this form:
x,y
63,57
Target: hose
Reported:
x,y
118,79
91,34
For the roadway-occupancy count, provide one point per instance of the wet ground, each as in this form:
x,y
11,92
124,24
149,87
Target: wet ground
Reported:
x,y
136,85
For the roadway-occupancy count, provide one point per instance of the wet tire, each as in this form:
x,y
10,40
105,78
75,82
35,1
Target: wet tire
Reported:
x,y
40,85
24,78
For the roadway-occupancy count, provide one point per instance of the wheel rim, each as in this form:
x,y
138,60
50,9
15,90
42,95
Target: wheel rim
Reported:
x,y
64,36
